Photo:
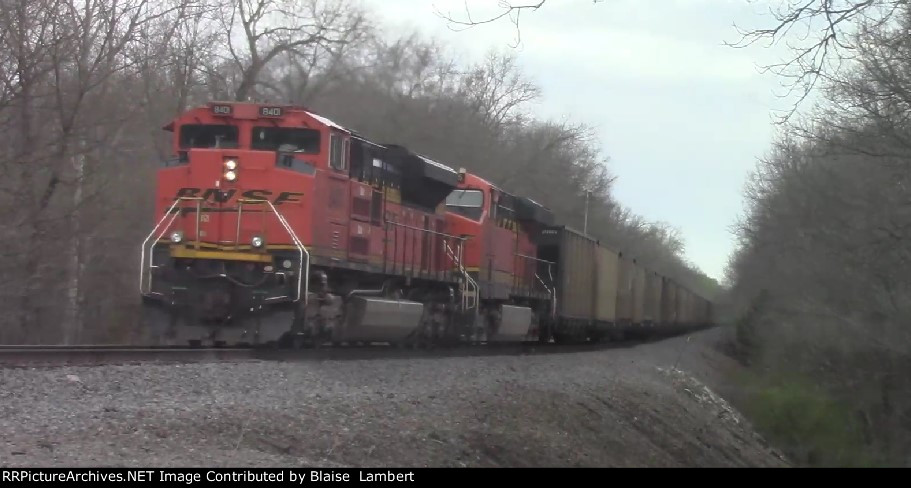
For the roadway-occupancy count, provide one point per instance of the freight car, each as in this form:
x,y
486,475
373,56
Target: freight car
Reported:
x,y
601,293
275,225
588,289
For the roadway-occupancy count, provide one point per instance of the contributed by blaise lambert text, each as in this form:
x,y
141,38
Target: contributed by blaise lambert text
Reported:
x,y
299,476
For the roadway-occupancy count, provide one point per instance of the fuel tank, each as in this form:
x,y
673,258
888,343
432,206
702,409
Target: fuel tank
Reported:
x,y
372,319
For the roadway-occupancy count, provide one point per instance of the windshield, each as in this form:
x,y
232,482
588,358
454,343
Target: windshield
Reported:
x,y
466,202
465,198
208,136
286,139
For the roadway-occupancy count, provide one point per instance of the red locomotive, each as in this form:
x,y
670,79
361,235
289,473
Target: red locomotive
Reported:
x,y
276,225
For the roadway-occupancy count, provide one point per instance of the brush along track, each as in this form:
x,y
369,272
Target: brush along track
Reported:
x,y
59,355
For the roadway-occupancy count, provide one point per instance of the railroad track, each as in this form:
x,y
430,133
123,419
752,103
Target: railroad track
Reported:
x,y
59,355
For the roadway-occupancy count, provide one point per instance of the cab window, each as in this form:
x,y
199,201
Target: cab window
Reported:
x,y
210,136
469,203
338,152
286,139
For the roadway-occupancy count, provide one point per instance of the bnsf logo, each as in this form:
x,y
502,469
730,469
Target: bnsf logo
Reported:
x,y
219,196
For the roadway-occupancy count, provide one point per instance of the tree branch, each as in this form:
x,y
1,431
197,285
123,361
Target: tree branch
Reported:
x,y
816,56
508,10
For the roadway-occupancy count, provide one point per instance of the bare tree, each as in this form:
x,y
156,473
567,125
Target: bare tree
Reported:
x,y
498,90
825,44
271,28
66,57
818,279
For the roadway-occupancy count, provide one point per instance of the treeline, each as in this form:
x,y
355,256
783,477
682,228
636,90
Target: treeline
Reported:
x,y
821,283
85,88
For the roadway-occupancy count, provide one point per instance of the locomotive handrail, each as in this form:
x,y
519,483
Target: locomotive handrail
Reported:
x,y
535,259
470,286
551,291
445,236
142,269
553,309
427,230
549,264
303,276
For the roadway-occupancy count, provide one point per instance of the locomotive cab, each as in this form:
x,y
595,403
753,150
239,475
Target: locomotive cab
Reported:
x,y
233,212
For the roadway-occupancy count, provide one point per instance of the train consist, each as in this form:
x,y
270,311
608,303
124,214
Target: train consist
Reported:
x,y
277,226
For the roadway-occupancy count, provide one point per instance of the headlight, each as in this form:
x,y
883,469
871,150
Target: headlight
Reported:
x,y
230,175
177,236
257,241
231,164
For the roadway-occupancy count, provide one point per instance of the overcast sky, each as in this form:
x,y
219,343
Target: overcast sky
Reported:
x,y
681,116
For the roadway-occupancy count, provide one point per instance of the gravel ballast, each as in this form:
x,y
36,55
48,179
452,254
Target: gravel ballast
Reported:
x,y
638,406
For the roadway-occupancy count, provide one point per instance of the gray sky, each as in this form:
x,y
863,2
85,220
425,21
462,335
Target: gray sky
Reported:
x,y
681,116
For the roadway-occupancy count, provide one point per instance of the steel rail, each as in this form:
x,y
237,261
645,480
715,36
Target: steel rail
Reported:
x,y
59,355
